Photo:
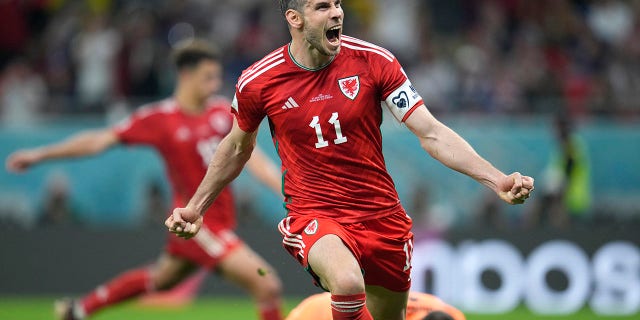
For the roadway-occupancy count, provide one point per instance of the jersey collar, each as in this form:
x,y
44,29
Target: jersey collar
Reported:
x,y
305,68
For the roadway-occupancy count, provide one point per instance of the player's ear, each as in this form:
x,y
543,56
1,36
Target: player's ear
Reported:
x,y
294,18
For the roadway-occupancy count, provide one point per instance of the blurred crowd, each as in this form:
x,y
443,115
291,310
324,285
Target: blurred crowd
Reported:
x,y
576,57
567,59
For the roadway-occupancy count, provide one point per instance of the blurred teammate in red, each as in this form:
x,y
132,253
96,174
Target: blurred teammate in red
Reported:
x,y
322,93
420,305
185,130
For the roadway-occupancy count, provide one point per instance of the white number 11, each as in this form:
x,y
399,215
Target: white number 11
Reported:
x,y
315,124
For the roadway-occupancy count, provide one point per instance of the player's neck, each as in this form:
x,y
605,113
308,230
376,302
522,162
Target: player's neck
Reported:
x,y
306,56
189,102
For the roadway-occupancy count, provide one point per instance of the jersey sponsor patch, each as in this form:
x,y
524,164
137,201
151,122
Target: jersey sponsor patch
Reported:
x,y
312,227
350,86
402,100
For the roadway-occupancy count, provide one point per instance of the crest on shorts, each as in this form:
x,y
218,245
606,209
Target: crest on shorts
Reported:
x,y
350,86
312,227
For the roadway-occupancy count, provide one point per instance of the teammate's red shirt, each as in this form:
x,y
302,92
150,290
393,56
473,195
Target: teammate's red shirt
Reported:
x,y
186,142
326,127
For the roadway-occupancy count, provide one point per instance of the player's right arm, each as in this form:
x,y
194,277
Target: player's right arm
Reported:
x,y
82,144
227,163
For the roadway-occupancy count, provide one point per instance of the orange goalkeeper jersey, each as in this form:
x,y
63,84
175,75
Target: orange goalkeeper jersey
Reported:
x,y
318,307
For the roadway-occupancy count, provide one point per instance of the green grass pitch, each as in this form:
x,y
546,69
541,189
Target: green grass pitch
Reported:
x,y
217,308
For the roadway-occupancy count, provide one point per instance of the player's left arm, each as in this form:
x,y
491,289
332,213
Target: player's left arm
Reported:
x,y
450,149
265,170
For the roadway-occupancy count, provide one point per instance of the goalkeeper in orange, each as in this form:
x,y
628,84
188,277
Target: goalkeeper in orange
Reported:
x,y
421,306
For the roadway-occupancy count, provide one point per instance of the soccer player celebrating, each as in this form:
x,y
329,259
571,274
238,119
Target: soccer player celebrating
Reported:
x,y
419,307
322,93
185,130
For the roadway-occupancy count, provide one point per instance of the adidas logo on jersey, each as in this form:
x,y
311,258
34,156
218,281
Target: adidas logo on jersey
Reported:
x,y
290,104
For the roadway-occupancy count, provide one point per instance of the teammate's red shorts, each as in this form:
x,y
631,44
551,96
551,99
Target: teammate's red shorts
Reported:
x,y
383,247
207,248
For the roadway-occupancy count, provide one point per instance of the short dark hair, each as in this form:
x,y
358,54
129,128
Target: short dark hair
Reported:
x,y
438,315
191,52
291,4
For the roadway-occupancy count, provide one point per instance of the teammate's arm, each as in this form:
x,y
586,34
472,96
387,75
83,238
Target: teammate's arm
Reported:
x,y
227,162
265,170
449,148
82,144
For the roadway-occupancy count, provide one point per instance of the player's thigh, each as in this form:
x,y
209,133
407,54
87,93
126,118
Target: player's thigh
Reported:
x,y
388,244
336,266
168,270
245,268
386,304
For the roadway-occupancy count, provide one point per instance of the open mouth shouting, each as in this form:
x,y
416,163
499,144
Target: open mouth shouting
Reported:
x,y
333,35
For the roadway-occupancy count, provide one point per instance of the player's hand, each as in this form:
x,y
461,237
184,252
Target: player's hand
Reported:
x,y
20,161
515,188
184,222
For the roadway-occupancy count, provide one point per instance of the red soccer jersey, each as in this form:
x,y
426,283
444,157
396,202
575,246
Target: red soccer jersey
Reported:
x,y
326,127
186,143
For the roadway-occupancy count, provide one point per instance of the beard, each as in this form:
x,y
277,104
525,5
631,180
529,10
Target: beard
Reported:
x,y
316,39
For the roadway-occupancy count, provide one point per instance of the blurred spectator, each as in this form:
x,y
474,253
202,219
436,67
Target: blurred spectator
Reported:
x,y
157,203
611,20
623,73
435,77
94,54
22,93
566,193
22,23
474,91
57,57
57,205
398,30
139,61
14,30
429,213
490,213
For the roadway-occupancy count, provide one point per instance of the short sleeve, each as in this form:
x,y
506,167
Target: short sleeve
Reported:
x,y
397,91
142,127
248,108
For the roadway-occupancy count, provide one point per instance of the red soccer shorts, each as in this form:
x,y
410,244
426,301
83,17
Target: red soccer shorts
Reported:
x,y
207,248
383,247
